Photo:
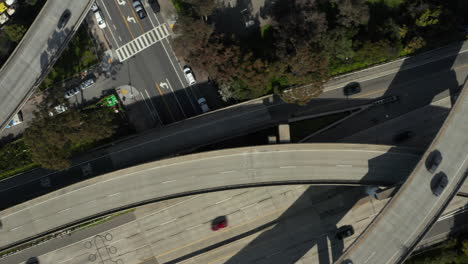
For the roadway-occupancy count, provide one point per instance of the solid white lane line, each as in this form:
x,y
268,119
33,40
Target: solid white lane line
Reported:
x,y
287,167
344,166
172,90
114,194
156,111
231,171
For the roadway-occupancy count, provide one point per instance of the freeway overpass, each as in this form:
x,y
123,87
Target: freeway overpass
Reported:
x,y
36,53
405,220
348,164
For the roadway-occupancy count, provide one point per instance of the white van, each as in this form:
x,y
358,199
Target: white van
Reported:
x,y
99,19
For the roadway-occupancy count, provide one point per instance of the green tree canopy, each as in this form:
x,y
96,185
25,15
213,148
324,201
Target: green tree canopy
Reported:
x,y
15,32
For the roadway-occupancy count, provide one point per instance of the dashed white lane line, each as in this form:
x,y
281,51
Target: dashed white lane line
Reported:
x,y
168,181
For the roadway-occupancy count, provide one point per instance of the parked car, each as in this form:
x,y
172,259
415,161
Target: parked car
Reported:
x,y
433,160
64,19
72,92
139,9
17,119
58,110
438,183
155,5
219,223
189,75
203,105
86,84
403,136
352,88
344,232
99,19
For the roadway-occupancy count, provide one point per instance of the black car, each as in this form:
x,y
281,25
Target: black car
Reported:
x,y
154,5
139,9
64,19
344,232
32,260
403,136
352,88
433,160
438,183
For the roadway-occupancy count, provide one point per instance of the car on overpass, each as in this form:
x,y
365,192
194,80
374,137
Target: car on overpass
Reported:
x,y
433,161
219,223
64,19
351,89
438,183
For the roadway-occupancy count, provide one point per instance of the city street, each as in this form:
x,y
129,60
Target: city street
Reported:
x,y
148,63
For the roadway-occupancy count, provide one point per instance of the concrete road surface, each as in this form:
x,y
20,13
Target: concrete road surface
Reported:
x,y
317,163
33,56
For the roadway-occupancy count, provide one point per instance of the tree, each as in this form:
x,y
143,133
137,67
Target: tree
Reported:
x,y
15,32
429,17
203,7
31,2
352,12
54,140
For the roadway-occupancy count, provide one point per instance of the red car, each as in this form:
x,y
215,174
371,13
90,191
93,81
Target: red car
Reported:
x,y
219,223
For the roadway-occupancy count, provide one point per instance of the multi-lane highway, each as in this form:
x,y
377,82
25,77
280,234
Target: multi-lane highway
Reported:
x,y
277,164
149,64
36,53
404,221
279,224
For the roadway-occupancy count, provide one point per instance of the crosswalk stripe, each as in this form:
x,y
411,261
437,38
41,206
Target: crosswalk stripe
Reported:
x,y
142,42
165,29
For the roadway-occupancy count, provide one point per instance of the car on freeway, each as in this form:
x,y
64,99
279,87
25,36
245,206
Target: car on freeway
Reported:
x,y
438,183
32,260
87,83
344,232
99,19
403,136
203,105
155,5
433,160
138,6
352,88
72,92
219,223
64,19
189,75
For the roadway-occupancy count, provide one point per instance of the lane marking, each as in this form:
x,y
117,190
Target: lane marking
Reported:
x,y
114,194
124,20
175,96
231,171
287,167
170,221
224,200
164,101
168,181
109,16
154,108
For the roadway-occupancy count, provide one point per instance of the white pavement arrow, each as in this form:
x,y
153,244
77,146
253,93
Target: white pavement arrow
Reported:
x,y
131,19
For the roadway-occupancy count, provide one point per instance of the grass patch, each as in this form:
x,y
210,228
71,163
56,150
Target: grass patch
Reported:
x,y
15,158
301,129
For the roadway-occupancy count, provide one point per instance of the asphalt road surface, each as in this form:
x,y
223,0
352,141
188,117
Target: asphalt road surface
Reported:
x,y
151,65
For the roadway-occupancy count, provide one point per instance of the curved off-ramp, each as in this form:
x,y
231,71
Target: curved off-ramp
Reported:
x,y
36,53
233,168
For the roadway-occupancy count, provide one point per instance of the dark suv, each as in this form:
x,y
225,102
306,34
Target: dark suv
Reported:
x,y
344,232
352,88
154,5
433,160
438,183
64,19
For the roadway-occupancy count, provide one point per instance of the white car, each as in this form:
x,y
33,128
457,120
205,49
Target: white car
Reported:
x,y
72,92
100,19
203,105
58,110
86,84
189,75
